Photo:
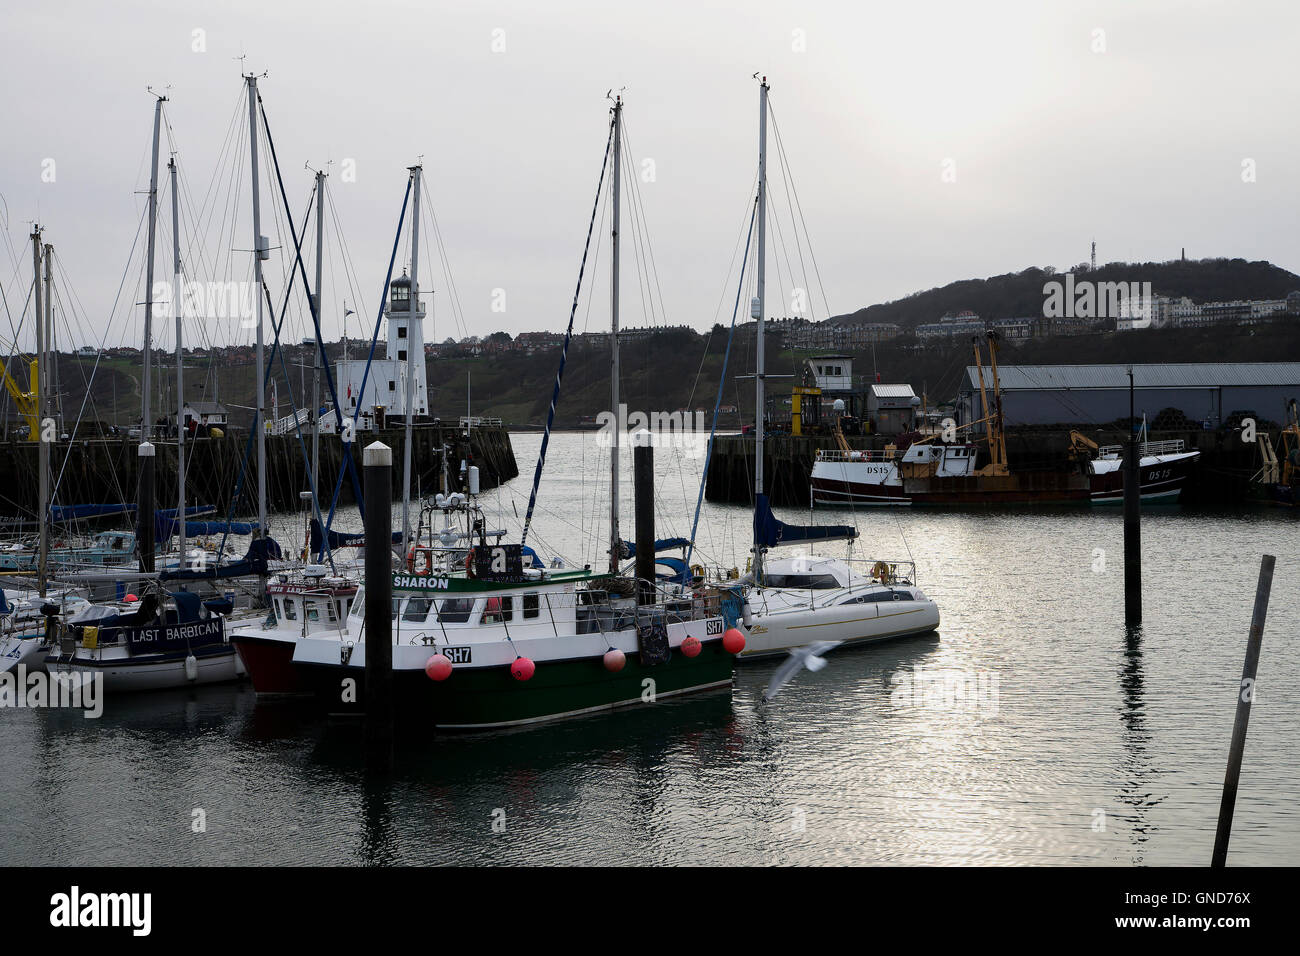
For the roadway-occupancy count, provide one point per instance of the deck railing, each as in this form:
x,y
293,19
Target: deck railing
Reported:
x,y
1173,446
864,454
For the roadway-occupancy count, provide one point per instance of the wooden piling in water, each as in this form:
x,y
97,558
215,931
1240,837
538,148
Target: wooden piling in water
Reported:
x,y
1132,522
1245,696
378,464
144,537
643,484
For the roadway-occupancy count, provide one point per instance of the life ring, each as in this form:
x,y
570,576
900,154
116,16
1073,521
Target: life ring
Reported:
x,y
411,565
880,570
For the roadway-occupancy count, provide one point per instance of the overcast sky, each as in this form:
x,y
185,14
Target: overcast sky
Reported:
x,y
1056,123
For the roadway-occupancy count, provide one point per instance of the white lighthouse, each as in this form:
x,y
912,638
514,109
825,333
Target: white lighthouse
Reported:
x,y
384,396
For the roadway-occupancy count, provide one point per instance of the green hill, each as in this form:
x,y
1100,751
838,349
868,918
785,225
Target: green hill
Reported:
x,y
1021,293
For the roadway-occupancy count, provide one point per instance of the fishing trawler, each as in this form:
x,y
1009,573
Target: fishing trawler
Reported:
x,y
1164,468
1278,480
312,601
493,648
932,472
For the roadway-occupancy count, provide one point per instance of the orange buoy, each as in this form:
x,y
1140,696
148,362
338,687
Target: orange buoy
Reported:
x,y
691,646
615,660
522,669
438,667
733,642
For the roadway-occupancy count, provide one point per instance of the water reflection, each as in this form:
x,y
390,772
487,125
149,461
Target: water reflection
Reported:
x,y
1139,774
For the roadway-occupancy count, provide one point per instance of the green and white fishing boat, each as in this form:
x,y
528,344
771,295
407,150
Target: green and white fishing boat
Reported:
x,y
483,633
512,648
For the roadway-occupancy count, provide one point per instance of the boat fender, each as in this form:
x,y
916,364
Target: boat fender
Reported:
x,y
746,614
191,667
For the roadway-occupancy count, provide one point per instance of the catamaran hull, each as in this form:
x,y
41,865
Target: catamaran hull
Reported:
x,y
480,698
774,634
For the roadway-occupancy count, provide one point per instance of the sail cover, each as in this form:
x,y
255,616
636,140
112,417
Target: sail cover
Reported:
x,y
76,512
770,531
339,539
661,544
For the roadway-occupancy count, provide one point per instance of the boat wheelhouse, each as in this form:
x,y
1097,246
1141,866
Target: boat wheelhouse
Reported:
x,y
306,604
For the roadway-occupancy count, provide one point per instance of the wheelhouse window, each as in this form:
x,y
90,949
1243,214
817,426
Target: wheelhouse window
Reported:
x,y
417,609
530,606
498,610
455,610
290,612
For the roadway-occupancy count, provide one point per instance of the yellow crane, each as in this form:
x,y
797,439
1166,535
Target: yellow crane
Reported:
x,y
992,418
27,402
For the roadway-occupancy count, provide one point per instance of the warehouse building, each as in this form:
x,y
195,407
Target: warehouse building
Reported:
x,y
1205,393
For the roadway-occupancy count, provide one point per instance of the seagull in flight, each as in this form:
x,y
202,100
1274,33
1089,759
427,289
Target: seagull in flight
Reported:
x,y
809,656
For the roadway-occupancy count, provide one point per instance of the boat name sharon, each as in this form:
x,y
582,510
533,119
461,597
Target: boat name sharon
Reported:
x,y
424,581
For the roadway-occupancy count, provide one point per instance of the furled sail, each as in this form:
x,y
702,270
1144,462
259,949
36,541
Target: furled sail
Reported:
x,y
770,531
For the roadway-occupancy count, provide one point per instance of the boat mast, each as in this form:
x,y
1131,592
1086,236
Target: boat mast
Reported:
x,y
1001,435
260,252
42,513
614,548
413,305
177,286
757,311
315,369
148,280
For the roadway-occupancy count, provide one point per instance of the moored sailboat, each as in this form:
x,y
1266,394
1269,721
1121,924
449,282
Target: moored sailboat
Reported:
x,y
792,602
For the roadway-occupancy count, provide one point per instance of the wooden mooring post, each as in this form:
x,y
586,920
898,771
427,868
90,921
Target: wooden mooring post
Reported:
x,y
1245,696
378,465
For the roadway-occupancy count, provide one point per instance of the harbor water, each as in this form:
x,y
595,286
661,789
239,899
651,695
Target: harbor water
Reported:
x,y
1031,729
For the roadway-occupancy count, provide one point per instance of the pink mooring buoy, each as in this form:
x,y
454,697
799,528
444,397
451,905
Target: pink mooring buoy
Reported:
x,y
615,660
522,668
438,667
733,642
691,646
